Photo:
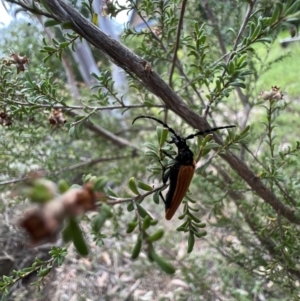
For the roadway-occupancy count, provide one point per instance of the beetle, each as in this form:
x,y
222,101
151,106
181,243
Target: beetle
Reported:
x,y
182,171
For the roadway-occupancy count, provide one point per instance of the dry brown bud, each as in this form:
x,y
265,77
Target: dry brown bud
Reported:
x,y
157,31
273,94
83,200
274,90
20,61
57,118
41,227
278,96
5,120
264,95
44,222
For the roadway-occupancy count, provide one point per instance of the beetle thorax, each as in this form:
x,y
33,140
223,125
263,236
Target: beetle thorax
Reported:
x,y
185,155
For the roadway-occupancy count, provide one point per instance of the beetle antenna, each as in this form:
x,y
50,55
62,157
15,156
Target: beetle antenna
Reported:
x,y
208,131
157,120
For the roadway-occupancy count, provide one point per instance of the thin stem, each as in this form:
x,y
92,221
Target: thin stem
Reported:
x,y
135,199
242,28
83,119
84,107
65,169
177,40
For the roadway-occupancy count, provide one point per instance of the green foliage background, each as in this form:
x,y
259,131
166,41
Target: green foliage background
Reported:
x,y
251,250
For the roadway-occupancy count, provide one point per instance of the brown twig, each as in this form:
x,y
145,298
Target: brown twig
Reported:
x,y
68,168
177,40
106,134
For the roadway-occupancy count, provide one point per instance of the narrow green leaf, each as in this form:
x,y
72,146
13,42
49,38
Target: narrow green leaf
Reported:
x,y
67,25
111,192
132,186
95,20
191,242
156,197
130,207
137,248
46,6
159,130
97,222
164,265
146,222
292,9
50,22
264,40
238,84
78,239
200,234
44,272
131,226
164,135
156,235
144,186
143,213
67,233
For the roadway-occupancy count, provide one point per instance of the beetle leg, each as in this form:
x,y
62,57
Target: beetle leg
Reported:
x,y
166,175
162,197
168,155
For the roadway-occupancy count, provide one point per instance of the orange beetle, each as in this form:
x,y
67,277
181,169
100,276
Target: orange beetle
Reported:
x,y
182,171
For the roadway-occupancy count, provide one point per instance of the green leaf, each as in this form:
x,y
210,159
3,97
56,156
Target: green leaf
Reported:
x,y
130,207
67,233
42,191
191,242
100,183
132,186
64,44
256,31
146,222
144,186
264,40
238,84
151,146
245,131
156,235
78,239
111,192
67,25
131,226
46,6
137,248
277,12
163,137
143,213
159,130
95,19
156,197
97,222
63,186
44,272
163,264
200,234
194,218
100,218
292,9
50,22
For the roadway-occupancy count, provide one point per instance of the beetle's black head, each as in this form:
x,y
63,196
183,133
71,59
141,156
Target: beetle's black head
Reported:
x,y
185,156
179,142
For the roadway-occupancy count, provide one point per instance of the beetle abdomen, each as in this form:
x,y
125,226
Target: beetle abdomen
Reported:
x,y
176,193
